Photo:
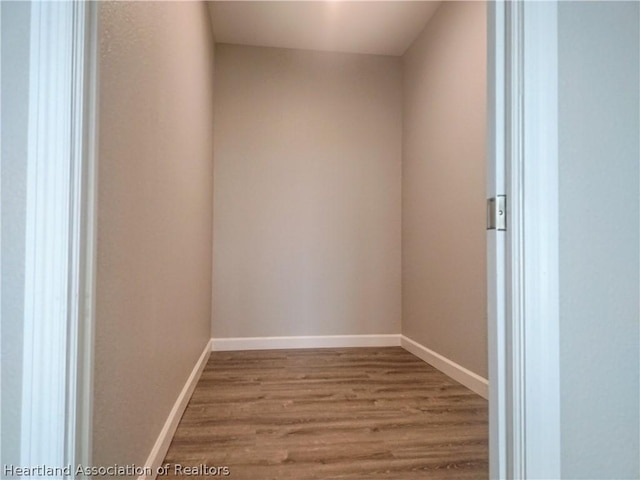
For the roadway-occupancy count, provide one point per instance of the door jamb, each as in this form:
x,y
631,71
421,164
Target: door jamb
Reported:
x,y
60,235
524,365
496,254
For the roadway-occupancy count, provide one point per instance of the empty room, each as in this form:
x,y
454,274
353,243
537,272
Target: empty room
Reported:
x,y
320,239
347,192
348,218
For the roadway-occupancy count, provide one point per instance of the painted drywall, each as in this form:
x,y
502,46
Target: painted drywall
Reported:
x,y
443,186
15,116
389,29
599,141
307,193
153,305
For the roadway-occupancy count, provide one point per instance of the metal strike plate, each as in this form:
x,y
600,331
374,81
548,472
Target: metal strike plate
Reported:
x,y
497,213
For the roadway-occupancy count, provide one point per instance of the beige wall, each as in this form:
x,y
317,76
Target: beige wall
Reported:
x,y
443,197
154,218
307,193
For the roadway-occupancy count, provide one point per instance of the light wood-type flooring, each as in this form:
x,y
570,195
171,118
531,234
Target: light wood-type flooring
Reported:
x,y
348,413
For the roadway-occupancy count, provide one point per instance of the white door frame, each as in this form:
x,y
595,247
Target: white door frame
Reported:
x,y
496,247
523,261
60,235
522,264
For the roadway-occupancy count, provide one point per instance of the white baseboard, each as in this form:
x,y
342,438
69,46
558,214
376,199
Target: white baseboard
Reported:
x,y
457,372
159,451
450,368
319,341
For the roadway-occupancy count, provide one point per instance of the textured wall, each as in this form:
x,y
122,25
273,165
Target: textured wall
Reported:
x,y
154,218
15,113
307,193
443,196
599,139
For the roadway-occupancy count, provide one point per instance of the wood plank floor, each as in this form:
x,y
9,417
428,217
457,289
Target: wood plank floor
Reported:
x,y
349,413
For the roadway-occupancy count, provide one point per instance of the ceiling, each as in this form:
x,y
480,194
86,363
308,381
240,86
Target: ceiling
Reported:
x,y
375,27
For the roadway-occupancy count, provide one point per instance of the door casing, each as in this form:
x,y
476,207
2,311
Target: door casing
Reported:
x,y
523,312
522,262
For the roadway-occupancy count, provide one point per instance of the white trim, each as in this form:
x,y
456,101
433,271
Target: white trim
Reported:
x,y
532,334
315,341
160,448
56,288
540,241
86,135
447,366
514,331
496,246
